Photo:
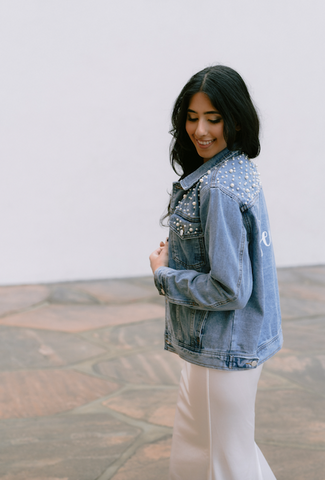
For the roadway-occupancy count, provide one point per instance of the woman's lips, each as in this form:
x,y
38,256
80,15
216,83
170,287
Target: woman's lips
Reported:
x,y
204,144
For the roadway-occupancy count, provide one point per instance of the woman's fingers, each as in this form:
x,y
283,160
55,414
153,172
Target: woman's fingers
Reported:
x,y
159,257
163,244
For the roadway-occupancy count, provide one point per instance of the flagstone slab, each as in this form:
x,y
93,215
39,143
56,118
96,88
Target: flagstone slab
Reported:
x,y
309,292
298,275
307,371
117,291
22,348
153,406
295,307
156,367
302,292
137,335
150,462
70,294
273,379
290,417
72,447
37,393
78,318
289,463
288,275
311,274
304,335
21,297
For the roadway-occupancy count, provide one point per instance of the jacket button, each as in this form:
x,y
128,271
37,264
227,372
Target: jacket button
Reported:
x,y
254,363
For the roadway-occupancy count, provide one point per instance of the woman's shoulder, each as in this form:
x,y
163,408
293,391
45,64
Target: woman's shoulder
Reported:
x,y
237,177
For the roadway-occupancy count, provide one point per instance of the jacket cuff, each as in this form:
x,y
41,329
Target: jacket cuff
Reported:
x,y
159,280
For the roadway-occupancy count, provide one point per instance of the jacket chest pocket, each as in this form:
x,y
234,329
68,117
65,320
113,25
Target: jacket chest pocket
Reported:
x,y
187,243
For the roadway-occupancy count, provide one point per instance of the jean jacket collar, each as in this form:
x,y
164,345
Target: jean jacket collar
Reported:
x,y
192,178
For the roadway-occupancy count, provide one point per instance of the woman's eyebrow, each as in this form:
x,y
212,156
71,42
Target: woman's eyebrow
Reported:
x,y
204,113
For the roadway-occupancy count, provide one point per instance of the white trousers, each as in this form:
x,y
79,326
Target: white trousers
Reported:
x,y
214,425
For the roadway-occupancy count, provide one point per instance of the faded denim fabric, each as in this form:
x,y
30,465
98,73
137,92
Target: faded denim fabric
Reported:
x,y
222,301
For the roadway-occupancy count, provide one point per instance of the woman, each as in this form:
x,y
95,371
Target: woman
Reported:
x,y
218,274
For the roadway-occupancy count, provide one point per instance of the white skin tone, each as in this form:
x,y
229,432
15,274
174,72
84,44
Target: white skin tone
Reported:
x,y
204,126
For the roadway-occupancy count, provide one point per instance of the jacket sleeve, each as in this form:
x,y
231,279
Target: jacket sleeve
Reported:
x,y
228,285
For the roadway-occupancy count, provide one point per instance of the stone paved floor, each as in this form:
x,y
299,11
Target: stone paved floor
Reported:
x,y
87,391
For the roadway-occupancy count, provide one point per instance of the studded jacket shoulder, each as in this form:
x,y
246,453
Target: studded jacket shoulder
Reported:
x,y
222,303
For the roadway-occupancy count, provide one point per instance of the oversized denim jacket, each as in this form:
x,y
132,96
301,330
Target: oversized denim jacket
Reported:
x,y
222,301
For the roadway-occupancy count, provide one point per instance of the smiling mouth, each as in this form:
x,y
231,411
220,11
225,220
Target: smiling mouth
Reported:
x,y
204,144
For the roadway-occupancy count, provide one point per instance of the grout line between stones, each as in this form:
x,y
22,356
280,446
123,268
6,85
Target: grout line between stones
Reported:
x,y
35,306
145,438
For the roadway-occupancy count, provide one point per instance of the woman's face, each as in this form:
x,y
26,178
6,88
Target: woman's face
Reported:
x,y
204,125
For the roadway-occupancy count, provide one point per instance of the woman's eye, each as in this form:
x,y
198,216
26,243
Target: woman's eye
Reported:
x,y
190,119
216,120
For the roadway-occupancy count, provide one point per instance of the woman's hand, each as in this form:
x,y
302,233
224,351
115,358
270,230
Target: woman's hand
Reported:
x,y
159,258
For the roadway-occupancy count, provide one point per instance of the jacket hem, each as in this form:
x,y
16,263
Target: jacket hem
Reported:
x,y
226,361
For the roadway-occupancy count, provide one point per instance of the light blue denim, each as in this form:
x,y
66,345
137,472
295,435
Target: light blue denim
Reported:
x,y
222,300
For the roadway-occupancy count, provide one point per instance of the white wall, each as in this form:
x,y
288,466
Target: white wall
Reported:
x,y
86,93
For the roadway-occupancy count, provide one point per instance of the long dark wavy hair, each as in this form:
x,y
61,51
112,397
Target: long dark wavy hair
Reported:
x,y
229,95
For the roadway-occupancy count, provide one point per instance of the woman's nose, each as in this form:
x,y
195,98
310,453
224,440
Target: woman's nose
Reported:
x,y
201,128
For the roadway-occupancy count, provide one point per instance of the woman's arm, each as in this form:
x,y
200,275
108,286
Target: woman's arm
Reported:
x,y
228,285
